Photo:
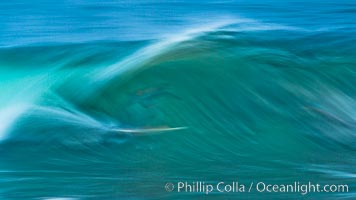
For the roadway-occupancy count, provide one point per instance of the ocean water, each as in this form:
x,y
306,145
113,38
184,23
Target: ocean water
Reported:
x,y
115,99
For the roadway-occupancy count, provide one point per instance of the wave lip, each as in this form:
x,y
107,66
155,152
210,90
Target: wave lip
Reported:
x,y
138,59
147,53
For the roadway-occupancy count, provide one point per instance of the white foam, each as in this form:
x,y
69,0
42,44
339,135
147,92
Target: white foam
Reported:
x,y
7,116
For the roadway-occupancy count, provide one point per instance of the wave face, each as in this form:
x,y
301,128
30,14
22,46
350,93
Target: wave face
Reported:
x,y
167,96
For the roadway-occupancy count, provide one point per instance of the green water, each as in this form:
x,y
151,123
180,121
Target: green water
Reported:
x,y
275,104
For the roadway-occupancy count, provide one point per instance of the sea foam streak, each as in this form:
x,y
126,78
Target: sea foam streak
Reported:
x,y
143,131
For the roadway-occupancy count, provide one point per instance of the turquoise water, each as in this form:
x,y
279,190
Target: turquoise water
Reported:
x,y
114,99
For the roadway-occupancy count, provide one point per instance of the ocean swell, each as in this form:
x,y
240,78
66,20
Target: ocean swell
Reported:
x,y
262,99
